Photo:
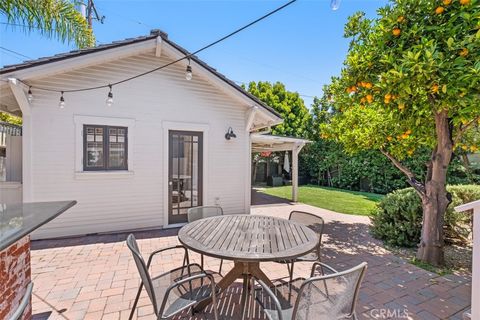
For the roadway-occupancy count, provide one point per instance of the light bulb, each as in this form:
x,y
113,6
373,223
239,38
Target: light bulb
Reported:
x,y
110,97
335,4
188,73
30,95
62,102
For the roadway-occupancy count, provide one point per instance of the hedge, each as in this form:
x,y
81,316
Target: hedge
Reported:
x,y
398,217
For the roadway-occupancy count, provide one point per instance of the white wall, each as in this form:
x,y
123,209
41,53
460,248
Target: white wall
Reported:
x,y
109,202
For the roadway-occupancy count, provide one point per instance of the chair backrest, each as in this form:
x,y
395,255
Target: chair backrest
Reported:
x,y
197,213
331,296
142,270
312,221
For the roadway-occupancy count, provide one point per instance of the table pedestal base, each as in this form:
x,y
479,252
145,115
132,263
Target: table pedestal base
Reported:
x,y
244,270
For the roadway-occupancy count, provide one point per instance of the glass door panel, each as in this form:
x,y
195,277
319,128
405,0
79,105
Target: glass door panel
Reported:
x,y
185,174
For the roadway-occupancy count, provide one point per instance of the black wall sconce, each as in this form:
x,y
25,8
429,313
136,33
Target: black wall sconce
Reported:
x,y
230,134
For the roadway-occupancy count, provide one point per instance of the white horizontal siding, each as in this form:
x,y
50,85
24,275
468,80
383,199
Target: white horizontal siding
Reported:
x,y
136,200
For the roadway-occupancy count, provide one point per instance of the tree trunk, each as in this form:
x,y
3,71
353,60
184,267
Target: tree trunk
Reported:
x,y
435,198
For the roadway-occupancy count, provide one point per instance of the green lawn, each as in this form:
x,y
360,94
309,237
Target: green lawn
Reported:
x,y
339,200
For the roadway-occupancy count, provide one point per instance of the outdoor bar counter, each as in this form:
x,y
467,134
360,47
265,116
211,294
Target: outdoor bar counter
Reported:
x,y
17,221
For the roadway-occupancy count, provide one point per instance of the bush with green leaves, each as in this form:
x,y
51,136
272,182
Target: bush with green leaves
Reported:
x,y
398,217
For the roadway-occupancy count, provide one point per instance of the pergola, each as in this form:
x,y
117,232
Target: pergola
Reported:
x,y
271,143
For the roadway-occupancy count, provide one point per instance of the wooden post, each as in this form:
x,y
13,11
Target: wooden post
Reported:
x,y
295,151
475,312
27,137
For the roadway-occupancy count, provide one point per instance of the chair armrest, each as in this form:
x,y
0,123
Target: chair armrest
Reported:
x,y
23,304
322,265
272,296
181,283
165,249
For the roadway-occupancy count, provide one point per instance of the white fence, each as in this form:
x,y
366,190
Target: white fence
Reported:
x,y
475,206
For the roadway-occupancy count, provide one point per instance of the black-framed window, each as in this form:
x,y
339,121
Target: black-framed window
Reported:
x,y
105,148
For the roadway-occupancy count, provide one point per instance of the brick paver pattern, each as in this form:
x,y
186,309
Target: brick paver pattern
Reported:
x,y
94,277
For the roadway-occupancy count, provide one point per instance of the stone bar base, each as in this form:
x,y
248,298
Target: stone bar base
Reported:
x,y
15,275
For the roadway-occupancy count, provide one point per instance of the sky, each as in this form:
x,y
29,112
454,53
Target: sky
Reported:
x,y
301,46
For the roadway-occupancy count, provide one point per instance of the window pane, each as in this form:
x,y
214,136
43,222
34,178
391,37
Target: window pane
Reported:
x,y
117,148
94,154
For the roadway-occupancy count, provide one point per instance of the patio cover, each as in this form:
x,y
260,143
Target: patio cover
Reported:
x,y
271,143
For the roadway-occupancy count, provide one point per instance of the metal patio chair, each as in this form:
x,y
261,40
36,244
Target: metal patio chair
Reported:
x,y
315,223
173,291
329,296
18,314
202,212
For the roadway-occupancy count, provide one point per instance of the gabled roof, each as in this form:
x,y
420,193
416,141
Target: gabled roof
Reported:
x,y
153,35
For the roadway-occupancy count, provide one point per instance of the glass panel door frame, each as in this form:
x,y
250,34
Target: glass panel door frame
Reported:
x,y
182,193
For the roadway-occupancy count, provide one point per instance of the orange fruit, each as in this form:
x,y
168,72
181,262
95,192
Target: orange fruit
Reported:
x,y
369,98
435,88
408,132
464,147
439,10
404,136
368,85
473,148
463,52
400,19
464,2
389,138
396,32
447,2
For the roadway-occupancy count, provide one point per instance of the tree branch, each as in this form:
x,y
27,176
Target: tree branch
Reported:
x,y
462,130
417,185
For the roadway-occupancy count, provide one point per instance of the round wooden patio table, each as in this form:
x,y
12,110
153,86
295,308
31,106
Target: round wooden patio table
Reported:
x,y
247,240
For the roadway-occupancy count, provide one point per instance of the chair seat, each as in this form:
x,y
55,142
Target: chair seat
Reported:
x,y
309,257
286,298
185,295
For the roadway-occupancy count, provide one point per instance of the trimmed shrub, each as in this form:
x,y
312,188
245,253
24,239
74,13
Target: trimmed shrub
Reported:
x,y
398,217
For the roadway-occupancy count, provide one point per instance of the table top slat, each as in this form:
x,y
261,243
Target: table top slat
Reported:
x,y
248,238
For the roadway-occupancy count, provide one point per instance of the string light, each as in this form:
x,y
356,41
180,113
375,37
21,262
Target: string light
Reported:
x,y
188,72
110,96
335,4
187,56
62,102
30,95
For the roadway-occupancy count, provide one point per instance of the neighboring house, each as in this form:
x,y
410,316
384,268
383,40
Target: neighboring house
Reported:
x,y
141,162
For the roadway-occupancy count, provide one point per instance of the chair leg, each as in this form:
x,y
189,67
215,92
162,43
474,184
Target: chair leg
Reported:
x,y
201,260
220,269
291,271
243,300
136,301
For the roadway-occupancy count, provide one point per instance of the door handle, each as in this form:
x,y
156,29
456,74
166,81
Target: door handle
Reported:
x,y
170,183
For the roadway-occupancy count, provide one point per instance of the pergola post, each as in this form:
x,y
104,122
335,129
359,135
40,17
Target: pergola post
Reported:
x,y
295,151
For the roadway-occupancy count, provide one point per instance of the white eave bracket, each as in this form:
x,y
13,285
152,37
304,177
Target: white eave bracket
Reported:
x,y
20,96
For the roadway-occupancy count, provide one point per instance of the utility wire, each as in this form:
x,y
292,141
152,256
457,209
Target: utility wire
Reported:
x,y
15,52
187,57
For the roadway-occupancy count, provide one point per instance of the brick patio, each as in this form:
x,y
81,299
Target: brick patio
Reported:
x,y
94,277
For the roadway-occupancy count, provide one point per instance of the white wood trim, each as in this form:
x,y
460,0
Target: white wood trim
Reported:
x,y
102,175
475,205
295,152
248,175
158,47
184,126
80,120
83,61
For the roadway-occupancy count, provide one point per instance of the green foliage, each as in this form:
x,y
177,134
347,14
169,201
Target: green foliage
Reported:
x,y
296,117
398,217
402,68
6,117
54,18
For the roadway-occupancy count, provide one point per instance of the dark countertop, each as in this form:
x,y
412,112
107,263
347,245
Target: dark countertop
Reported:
x,y
19,220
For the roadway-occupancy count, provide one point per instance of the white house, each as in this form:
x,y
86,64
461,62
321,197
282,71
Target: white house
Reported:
x,y
141,162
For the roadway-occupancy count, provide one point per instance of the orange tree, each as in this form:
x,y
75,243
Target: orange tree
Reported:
x,y
410,82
